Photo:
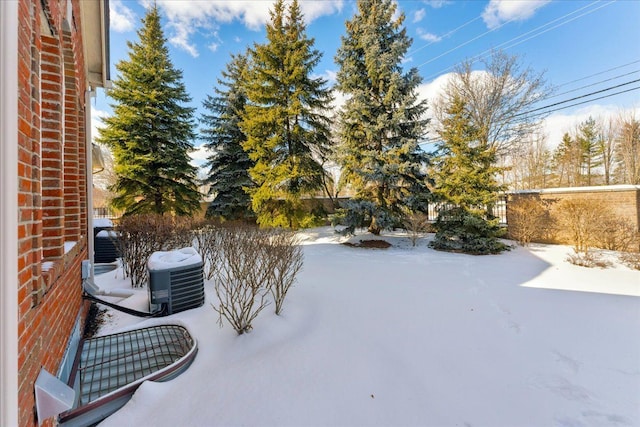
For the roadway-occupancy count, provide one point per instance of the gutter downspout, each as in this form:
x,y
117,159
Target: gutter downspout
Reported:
x,y
9,405
89,186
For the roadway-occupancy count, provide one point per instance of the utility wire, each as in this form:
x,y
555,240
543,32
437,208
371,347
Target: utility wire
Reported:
x,y
599,73
588,100
483,54
592,84
577,97
466,43
450,33
546,107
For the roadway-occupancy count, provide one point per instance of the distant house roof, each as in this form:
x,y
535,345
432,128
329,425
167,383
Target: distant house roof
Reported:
x,y
95,36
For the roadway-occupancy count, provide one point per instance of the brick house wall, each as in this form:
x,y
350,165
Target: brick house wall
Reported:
x,y
623,201
52,188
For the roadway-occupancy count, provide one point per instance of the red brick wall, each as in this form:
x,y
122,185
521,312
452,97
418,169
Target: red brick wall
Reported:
x,y
52,190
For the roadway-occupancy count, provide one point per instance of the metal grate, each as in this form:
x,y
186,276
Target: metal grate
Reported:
x,y
111,362
187,289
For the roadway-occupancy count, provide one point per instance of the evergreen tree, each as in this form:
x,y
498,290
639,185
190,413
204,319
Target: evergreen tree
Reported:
x,y
151,130
567,160
465,178
229,164
588,138
465,171
382,121
285,123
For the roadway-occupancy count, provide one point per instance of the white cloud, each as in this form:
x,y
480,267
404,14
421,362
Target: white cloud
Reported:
x,y
199,156
187,17
96,121
213,46
121,18
498,12
555,125
419,15
436,4
430,37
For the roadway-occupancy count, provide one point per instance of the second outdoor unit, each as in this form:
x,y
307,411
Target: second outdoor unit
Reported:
x,y
176,280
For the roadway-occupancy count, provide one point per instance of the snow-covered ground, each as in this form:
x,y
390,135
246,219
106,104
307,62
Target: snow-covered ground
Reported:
x,y
410,337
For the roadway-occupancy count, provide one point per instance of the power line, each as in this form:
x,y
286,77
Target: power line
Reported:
x,y
577,97
481,55
599,73
589,100
445,36
592,84
466,43
546,30
563,107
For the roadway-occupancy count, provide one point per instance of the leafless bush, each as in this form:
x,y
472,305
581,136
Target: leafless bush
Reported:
x,y
582,220
285,259
138,236
206,240
617,234
631,259
241,276
249,264
527,218
416,224
588,259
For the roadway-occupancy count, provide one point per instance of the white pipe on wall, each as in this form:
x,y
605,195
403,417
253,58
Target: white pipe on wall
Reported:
x,y
9,213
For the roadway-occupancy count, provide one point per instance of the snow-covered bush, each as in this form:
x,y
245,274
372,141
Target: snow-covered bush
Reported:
x,y
285,258
460,230
241,276
138,236
631,259
206,236
588,259
252,263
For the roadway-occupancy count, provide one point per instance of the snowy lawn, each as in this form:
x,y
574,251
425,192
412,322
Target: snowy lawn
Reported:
x,y
410,337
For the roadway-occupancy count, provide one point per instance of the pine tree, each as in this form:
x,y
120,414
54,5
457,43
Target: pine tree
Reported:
x,y
285,120
229,164
465,178
382,121
151,130
590,147
465,171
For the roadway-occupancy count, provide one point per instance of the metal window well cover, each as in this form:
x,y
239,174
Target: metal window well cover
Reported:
x,y
110,368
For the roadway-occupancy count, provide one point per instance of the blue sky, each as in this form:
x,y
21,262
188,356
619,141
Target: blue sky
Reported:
x,y
569,40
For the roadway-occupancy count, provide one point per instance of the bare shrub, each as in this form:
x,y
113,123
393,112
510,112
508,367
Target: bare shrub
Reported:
x,y
588,259
138,236
582,220
527,218
285,259
241,276
617,234
249,264
416,224
631,260
206,240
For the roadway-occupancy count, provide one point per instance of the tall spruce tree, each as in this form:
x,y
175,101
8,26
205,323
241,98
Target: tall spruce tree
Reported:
x,y
228,164
151,131
285,120
382,121
465,178
465,172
